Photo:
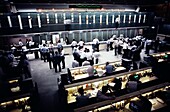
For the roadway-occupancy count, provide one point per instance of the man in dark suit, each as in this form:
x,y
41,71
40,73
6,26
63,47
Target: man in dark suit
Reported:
x,y
57,61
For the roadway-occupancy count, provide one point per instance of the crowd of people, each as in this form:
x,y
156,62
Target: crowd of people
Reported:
x,y
53,57
127,48
10,66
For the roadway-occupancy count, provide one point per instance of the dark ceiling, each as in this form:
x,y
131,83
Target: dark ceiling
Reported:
x,y
127,2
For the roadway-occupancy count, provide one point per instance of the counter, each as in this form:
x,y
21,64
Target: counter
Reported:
x,y
32,53
94,85
122,102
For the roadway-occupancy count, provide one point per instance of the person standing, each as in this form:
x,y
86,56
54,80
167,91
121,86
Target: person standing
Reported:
x,y
24,67
115,45
82,56
108,44
117,21
96,44
20,43
30,43
59,46
89,56
74,44
57,61
62,58
81,43
96,57
44,51
156,44
148,46
50,59
120,43
76,55
27,43
66,40
51,48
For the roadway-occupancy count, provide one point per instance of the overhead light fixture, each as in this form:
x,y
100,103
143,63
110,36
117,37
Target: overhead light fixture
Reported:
x,y
137,10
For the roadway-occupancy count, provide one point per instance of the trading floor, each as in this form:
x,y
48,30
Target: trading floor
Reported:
x,y
47,79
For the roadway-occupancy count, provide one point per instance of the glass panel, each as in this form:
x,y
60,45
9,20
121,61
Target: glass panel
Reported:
x,y
43,19
34,19
14,21
88,36
25,20
100,35
105,35
76,36
51,18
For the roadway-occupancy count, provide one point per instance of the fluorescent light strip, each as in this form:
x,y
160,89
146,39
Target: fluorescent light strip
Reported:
x,y
124,19
119,19
56,19
130,18
87,19
134,19
100,19
94,18
139,18
47,16
39,20
29,21
9,21
72,17
107,19
20,22
144,20
113,18
64,16
79,18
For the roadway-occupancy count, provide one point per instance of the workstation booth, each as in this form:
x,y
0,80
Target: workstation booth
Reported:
x,y
145,76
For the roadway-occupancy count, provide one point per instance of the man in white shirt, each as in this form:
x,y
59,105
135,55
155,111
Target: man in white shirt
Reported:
x,y
89,56
62,58
96,44
20,42
148,45
82,56
73,44
90,70
117,21
120,43
30,43
96,57
115,45
59,46
81,43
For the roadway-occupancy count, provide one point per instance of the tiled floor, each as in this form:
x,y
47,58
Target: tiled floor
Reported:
x,y
47,80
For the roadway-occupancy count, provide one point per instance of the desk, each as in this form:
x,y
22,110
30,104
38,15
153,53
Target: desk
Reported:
x,y
91,85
